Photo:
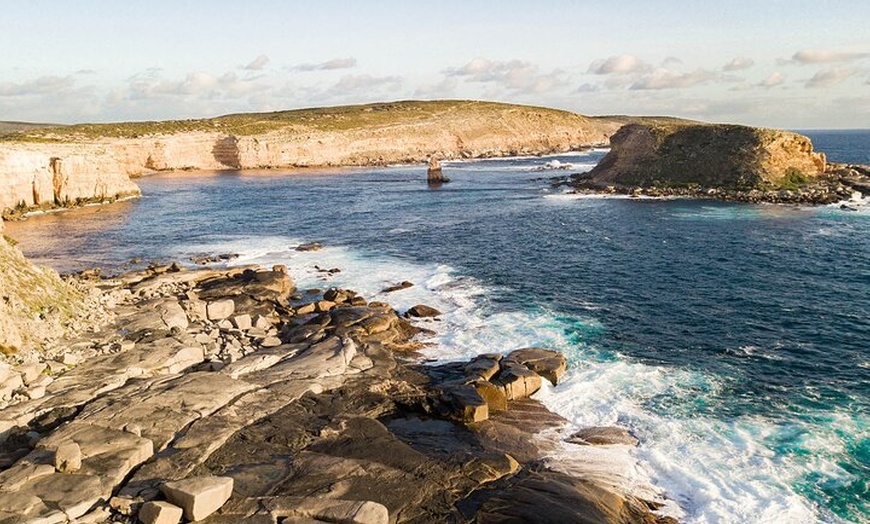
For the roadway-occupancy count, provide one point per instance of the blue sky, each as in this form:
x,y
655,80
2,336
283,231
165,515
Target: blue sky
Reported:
x,y
795,64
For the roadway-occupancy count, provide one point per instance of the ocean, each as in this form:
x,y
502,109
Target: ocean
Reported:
x,y
732,339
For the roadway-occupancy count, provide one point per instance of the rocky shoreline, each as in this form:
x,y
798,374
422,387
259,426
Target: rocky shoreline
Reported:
x,y
840,183
230,391
57,167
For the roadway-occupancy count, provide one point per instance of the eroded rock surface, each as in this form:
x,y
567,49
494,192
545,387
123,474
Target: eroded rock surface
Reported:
x,y
285,409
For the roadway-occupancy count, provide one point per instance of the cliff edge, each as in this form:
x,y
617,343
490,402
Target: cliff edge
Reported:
x,y
53,167
724,157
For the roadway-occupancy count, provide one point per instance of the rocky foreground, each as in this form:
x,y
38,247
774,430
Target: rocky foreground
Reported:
x,y
229,396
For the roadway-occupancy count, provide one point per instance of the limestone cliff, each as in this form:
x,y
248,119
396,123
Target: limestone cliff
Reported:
x,y
706,155
35,175
53,165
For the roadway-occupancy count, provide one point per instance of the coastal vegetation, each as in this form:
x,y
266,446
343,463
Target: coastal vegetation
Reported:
x,y
329,119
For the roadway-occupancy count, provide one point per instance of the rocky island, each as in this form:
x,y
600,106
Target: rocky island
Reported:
x,y
228,395
729,162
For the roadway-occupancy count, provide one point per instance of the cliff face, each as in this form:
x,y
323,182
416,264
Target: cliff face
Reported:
x,y
36,175
53,166
705,155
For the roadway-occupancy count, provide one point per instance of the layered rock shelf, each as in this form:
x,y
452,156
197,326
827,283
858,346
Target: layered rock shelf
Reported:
x,y
229,395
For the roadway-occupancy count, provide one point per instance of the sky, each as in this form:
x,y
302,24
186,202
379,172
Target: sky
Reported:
x,y
793,64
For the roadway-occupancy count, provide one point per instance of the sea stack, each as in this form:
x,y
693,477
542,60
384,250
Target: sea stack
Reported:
x,y
434,175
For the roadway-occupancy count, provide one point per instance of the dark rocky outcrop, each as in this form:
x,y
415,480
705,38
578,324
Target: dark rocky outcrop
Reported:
x,y
728,162
705,155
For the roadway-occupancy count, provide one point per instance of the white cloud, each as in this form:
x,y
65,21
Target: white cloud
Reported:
x,y
830,77
738,64
330,65
196,85
39,86
446,88
588,88
349,85
667,79
812,56
620,65
775,79
257,64
514,75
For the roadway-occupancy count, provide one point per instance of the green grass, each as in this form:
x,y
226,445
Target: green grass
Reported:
x,y
793,179
340,118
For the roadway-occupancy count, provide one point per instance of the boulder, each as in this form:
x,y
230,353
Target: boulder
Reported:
x,y
548,363
199,497
160,512
220,309
517,380
493,395
421,310
68,457
483,366
469,404
243,322
602,436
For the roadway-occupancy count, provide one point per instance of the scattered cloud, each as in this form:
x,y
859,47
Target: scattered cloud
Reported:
x,y
588,88
330,65
667,79
257,64
811,56
39,86
775,79
738,63
446,88
355,84
671,60
514,75
830,77
619,65
199,85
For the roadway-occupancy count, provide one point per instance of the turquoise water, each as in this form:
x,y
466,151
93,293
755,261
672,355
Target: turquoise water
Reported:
x,y
732,339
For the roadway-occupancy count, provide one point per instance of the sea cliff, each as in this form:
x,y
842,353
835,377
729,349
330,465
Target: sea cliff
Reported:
x,y
61,166
730,162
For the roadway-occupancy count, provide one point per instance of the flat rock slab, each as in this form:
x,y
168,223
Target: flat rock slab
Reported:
x,y
160,407
199,497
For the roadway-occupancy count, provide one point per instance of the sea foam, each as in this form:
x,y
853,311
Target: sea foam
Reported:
x,y
703,469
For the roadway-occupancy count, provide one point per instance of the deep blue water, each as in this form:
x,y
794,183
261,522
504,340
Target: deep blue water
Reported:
x,y
734,339
845,146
